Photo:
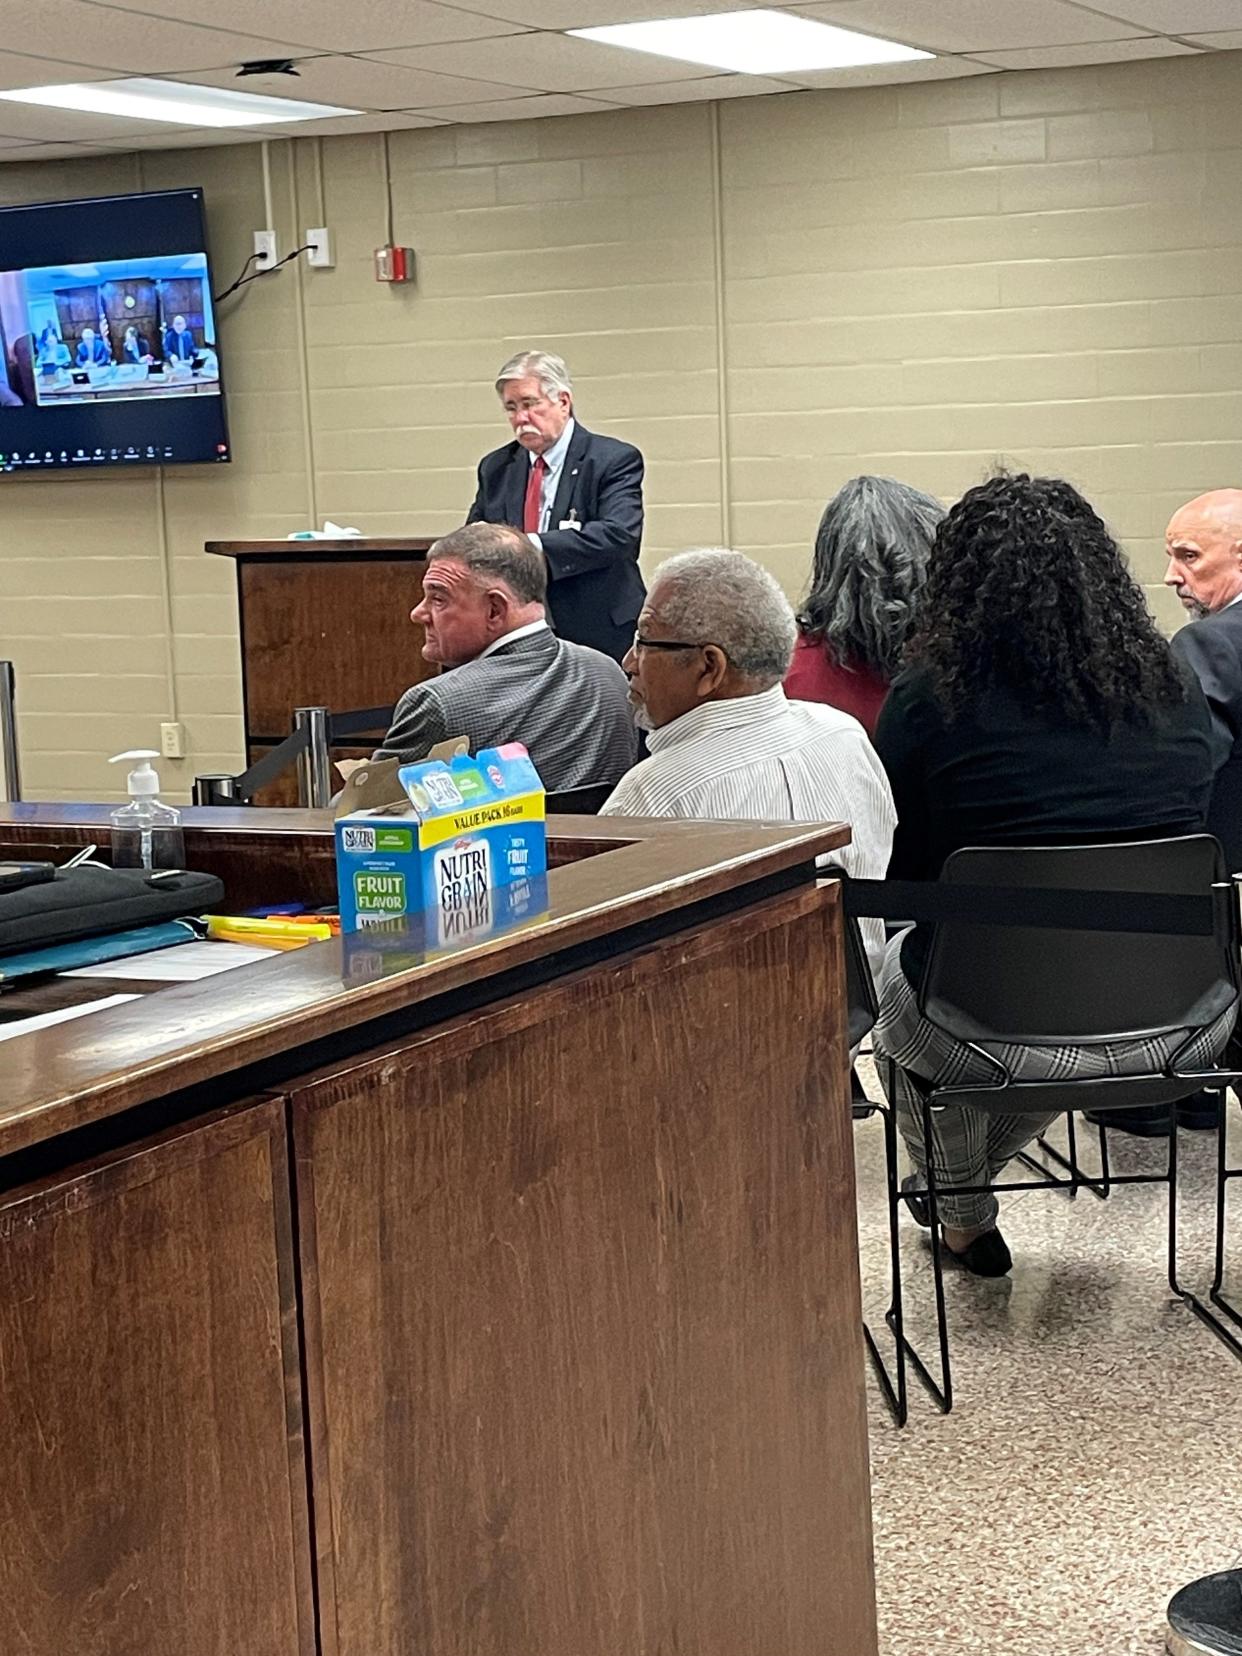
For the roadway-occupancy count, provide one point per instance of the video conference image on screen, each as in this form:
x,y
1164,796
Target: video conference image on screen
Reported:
x,y
121,329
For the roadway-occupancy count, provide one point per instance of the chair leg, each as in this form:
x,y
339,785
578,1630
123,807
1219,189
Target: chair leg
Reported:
x,y
1078,1180
1174,1284
1105,1175
1192,1302
894,1389
1223,1175
941,1392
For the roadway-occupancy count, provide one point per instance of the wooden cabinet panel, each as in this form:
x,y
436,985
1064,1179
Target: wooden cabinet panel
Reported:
x,y
153,1497
585,1370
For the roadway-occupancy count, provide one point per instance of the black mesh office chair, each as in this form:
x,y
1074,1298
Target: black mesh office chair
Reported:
x,y
584,801
1042,986
862,1008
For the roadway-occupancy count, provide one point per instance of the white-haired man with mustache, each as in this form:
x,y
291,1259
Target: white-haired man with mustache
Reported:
x,y
579,498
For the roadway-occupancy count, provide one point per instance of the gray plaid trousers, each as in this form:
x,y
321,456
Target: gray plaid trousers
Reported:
x,y
972,1146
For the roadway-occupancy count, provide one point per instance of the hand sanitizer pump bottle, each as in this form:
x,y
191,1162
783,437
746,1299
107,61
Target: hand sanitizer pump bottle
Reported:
x,y
145,833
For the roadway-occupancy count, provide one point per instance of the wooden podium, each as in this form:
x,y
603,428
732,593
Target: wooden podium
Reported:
x,y
324,623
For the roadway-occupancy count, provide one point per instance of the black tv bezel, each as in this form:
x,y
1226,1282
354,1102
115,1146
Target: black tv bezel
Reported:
x,y
26,244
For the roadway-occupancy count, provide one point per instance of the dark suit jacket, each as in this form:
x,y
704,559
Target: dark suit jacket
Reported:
x,y
177,345
1212,647
595,590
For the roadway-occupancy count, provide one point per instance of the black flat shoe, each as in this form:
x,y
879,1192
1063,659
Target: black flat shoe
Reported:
x,y
987,1256
917,1204
1148,1121
1200,1113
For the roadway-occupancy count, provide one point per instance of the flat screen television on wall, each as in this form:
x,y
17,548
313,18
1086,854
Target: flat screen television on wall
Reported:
x,y
108,349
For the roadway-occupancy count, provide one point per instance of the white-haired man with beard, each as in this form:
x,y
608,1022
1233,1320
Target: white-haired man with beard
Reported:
x,y
713,645
577,495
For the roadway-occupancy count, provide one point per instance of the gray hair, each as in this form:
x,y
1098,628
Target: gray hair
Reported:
x,y
714,596
871,552
549,370
497,552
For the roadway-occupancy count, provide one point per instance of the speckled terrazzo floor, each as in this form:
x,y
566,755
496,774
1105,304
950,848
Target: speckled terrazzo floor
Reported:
x,y
1092,1463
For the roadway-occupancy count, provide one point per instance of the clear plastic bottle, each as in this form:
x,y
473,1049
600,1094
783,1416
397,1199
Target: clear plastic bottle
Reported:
x,y
146,833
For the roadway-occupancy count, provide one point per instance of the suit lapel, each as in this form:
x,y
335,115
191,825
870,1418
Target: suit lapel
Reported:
x,y
567,482
517,476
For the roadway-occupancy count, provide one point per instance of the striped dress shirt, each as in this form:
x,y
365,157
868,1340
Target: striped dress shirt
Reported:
x,y
766,759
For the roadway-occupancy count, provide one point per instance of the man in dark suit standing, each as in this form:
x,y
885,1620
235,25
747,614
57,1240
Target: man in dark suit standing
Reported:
x,y
1204,544
578,496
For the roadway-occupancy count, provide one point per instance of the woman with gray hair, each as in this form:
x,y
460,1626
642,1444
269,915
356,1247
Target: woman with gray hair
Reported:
x,y
871,553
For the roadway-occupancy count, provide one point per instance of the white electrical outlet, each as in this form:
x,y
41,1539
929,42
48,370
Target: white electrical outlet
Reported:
x,y
319,249
172,741
264,249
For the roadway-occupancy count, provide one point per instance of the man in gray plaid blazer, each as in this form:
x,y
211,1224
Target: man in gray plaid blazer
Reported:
x,y
508,677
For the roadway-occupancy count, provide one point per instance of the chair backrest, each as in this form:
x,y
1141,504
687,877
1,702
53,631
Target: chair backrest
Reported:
x,y
861,1002
1045,987
584,801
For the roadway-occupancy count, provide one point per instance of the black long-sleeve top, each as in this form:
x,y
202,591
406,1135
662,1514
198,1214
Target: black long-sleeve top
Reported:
x,y
1007,773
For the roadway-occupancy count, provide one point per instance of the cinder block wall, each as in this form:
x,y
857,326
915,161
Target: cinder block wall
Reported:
x,y
767,295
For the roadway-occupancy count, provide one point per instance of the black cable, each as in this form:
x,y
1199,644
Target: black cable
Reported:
x,y
216,297
255,275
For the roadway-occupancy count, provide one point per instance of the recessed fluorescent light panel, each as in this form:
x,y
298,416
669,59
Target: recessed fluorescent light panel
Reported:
x,y
142,99
753,42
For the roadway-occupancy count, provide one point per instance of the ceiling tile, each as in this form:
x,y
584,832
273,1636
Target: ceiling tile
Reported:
x,y
522,109
329,26
349,126
543,62
16,69
1228,40
52,152
704,89
364,83
191,138
104,38
890,74
971,25
1068,57
584,14
1179,17
54,126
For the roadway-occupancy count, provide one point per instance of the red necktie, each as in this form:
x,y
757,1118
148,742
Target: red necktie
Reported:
x,y
533,510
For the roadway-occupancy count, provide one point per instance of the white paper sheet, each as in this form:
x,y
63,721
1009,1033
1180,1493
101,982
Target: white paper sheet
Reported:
x,y
183,963
40,1020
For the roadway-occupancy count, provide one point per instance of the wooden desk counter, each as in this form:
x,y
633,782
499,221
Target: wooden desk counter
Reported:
x,y
490,1299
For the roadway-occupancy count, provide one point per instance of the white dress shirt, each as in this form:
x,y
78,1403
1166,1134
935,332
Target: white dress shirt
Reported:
x,y
508,638
553,459
767,759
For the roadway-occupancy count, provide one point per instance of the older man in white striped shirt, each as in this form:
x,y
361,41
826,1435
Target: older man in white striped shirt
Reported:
x,y
713,645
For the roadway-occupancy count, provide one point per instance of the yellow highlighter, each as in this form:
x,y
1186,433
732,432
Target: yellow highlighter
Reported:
x,y
261,942
241,928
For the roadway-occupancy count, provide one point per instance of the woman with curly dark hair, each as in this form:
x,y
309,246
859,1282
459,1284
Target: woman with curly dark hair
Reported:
x,y
1041,705
871,551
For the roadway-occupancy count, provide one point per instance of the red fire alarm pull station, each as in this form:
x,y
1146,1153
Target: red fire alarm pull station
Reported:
x,y
394,264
